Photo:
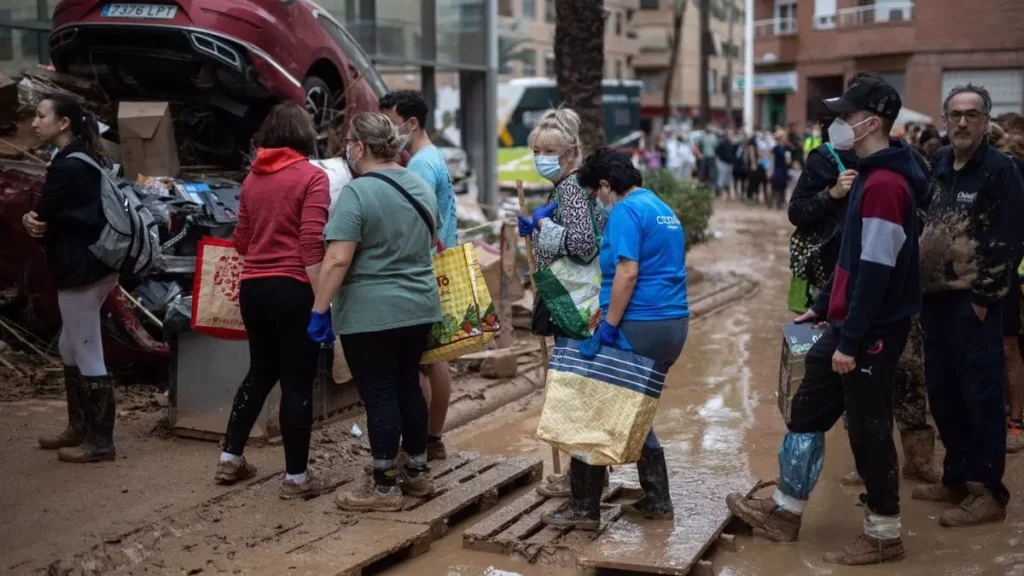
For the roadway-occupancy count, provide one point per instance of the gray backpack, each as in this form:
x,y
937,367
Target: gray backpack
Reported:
x,y
130,241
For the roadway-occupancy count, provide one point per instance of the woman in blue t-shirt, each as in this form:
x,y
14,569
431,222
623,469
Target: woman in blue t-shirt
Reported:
x,y
643,305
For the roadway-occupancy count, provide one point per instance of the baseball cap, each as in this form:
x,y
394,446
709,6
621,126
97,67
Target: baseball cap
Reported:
x,y
870,93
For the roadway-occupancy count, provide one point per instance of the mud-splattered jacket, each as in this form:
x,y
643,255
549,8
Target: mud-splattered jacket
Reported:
x,y
970,237
877,279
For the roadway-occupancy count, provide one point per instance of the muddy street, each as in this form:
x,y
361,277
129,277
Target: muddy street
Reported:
x,y
157,511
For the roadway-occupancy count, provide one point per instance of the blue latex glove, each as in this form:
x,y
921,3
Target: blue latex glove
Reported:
x,y
608,334
525,226
528,225
319,329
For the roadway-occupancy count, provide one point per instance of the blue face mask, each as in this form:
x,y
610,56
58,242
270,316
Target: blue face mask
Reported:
x,y
547,166
603,209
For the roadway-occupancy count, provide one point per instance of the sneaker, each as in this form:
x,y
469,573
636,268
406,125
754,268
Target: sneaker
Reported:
x,y
371,498
436,451
851,479
1014,438
419,486
556,488
311,488
867,550
765,517
569,518
940,493
230,472
980,507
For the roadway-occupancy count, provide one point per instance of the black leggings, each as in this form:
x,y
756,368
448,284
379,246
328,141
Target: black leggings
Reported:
x,y
385,366
276,312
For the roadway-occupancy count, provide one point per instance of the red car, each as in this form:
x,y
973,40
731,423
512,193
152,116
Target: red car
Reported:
x,y
223,63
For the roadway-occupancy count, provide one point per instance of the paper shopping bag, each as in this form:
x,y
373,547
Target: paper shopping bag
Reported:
x,y
215,309
468,317
599,410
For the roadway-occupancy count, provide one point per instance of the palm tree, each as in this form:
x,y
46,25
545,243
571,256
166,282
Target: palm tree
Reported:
x,y
678,15
579,64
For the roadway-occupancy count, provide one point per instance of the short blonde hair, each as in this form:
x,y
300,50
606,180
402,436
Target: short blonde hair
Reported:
x,y
562,124
378,133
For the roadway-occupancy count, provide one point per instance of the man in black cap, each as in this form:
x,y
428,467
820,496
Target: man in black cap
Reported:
x,y
968,252
867,307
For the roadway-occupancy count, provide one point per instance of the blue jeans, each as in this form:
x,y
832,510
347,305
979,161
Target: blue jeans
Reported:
x,y
964,377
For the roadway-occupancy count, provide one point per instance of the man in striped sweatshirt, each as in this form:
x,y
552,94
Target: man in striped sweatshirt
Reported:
x,y
868,304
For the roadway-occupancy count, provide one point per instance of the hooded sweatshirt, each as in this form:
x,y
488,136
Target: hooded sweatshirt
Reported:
x,y
281,215
877,280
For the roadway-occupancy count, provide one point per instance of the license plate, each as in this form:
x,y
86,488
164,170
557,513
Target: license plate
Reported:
x,y
143,11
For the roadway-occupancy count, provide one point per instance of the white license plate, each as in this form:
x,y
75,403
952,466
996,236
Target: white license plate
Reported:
x,y
144,11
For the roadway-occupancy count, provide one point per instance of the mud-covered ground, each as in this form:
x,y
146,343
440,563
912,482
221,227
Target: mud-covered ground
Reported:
x,y
718,414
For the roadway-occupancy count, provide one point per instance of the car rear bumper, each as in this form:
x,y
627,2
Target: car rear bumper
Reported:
x,y
178,42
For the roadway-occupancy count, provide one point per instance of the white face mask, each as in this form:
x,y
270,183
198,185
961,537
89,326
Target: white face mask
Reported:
x,y
841,134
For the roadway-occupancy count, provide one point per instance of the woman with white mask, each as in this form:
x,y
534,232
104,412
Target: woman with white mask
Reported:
x,y
569,225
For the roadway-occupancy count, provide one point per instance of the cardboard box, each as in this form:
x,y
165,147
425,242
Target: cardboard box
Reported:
x,y
797,340
490,264
8,101
147,139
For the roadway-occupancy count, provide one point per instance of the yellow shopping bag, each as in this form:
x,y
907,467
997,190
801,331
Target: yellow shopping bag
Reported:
x,y
468,318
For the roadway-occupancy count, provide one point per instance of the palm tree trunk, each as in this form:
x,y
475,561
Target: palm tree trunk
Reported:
x,y
579,65
705,50
678,16
729,122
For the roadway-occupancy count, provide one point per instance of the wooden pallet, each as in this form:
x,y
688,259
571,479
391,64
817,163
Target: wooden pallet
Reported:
x,y
465,484
517,530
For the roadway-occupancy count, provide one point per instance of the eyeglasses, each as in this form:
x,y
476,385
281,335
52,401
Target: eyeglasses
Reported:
x,y
972,116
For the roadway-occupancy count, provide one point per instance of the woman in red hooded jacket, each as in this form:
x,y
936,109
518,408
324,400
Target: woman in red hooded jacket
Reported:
x,y
281,219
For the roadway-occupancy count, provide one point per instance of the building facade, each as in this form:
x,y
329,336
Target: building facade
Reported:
x,y
725,63
806,50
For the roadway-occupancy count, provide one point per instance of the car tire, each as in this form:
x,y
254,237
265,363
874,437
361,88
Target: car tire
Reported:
x,y
319,101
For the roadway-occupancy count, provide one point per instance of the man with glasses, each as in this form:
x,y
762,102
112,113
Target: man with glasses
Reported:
x,y
966,249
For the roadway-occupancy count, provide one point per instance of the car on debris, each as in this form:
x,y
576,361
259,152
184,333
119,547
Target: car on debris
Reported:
x,y
221,63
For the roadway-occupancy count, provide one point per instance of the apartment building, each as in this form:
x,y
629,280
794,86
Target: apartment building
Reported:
x,y
806,50
654,32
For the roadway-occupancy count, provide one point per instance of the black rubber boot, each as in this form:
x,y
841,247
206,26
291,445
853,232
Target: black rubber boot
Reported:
x,y
98,413
583,511
657,502
74,432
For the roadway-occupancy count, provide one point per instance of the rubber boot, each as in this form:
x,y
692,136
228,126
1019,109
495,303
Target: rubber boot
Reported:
x,y
98,412
583,511
74,432
657,502
919,456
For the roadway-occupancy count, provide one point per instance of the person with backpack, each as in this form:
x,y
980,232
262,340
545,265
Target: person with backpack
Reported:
x,y
69,219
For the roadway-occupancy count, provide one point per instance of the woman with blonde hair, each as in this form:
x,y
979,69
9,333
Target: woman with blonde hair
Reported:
x,y
569,225
377,291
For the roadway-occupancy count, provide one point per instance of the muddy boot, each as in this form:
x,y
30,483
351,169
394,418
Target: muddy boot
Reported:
x,y
851,479
980,507
766,517
867,550
919,456
371,498
940,493
1014,438
557,487
98,412
583,510
311,487
436,450
657,502
74,432
231,472
415,482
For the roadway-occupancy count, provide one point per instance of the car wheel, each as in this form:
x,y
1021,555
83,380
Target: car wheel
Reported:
x,y
320,105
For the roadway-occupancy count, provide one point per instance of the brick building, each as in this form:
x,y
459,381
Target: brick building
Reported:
x,y
805,50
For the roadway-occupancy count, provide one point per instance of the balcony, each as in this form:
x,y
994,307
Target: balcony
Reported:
x,y
882,12
775,41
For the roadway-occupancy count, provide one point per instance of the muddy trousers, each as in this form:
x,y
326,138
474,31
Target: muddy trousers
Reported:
x,y
867,395
385,366
964,375
276,312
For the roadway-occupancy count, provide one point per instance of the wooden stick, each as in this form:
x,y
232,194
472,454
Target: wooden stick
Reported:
x,y
556,460
23,152
11,367
23,340
149,315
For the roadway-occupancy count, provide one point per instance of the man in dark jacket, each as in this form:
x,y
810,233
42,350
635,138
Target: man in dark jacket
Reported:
x,y
966,252
874,292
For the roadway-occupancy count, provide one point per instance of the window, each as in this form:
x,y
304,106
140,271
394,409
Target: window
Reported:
x,y
618,69
785,17
653,81
549,65
530,9
504,55
549,11
712,82
529,62
650,4
505,8
824,14
618,23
